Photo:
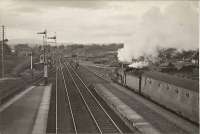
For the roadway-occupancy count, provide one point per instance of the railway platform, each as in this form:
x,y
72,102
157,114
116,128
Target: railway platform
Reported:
x,y
26,112
159,118
131,117
79,101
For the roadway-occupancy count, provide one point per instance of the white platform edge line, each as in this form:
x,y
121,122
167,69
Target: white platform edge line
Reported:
x,y
42,116
15,98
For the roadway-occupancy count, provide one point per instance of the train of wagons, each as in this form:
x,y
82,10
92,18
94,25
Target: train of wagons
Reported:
x,y
176,94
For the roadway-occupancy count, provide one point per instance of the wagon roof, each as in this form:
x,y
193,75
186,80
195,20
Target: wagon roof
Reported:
x,y
180,82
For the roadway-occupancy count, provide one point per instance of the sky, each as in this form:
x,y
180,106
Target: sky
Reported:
x,y
75,21
134,23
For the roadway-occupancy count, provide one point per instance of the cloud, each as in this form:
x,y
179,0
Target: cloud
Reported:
x,y
177,26
87,4
27,9
99,21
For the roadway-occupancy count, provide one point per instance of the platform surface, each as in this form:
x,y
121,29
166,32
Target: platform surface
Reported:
x,y
18,115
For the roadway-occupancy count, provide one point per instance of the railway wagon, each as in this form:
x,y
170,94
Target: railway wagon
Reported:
x,y
176,94
133,82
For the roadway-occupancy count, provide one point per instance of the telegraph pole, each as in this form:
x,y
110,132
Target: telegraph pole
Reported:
x,y
31,60
32,64
2,54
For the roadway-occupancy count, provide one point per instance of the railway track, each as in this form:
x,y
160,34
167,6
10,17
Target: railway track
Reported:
x,y
78,108
75,109
84,106
166,121
99,75
103,120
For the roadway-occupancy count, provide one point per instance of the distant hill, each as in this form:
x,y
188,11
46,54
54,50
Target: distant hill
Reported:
x,y
96,53
30,42
92,50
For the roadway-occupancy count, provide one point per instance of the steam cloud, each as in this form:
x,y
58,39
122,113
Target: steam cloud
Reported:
x,y
139,64
176,26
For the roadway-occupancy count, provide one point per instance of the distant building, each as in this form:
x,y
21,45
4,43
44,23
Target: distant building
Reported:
x,y
195,58
167,67
22,50
13,50
42,58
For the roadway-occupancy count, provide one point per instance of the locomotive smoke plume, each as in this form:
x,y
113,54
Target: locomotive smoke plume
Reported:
x,y
139,64
176,26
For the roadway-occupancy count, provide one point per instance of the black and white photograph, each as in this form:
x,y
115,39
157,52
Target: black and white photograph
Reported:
x,y
99,66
